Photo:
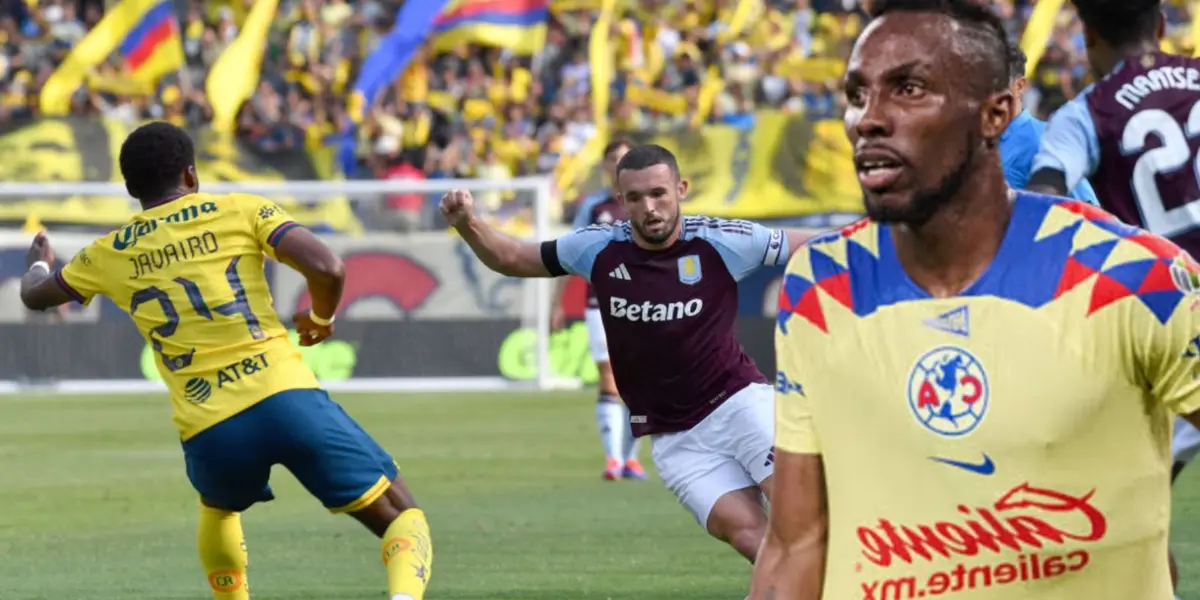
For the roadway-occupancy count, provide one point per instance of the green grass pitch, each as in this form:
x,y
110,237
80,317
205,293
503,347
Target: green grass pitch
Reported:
x,y
94,504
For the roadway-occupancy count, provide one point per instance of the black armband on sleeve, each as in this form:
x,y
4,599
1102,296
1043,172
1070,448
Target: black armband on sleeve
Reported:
x,y
1049,178
550,258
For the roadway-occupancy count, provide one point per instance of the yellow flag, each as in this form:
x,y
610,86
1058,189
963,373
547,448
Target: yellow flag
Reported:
x,y
1196,29
740,19
92,50
600,57
713,86
235,74
1038,31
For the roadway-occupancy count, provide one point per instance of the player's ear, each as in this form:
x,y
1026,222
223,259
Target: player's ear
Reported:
x,y
996,113
191,181
683,188
1162,26
1089,37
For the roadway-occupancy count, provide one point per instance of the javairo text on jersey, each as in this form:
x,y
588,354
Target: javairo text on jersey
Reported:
x,y
190,247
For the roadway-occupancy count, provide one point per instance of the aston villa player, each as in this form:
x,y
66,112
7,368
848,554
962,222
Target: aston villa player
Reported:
x,y
666,287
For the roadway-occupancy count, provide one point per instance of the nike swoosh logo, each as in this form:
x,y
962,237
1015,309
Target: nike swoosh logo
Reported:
x,y
987,467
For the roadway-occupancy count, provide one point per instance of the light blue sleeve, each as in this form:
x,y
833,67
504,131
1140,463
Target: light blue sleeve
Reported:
x,y
743,246
1084,192
577,251
1069,143
583,216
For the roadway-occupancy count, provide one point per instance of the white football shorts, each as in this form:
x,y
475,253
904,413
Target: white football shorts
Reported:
x,y
729,450
597,343
1185,443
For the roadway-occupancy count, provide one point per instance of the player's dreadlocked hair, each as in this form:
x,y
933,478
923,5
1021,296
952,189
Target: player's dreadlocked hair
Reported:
x,y
152,159
1121,22
982,29
1016,61
644,157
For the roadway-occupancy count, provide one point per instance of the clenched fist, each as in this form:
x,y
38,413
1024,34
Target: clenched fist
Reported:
x,y
457,207
40,250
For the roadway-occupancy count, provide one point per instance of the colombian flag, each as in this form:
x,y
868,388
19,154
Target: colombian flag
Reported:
x,y
516,25
153,47
136,28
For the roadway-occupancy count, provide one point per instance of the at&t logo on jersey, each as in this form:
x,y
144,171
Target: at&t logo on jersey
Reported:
x,y
647,312
948,391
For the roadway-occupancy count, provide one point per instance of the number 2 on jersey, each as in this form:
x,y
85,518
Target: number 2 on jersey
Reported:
x,y
240,305
1172,155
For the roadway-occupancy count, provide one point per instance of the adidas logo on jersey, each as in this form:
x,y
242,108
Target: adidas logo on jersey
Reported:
x,y
957,321
648,312
620,273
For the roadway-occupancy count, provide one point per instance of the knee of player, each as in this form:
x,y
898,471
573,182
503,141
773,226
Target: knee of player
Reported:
x,y
738,533
387,508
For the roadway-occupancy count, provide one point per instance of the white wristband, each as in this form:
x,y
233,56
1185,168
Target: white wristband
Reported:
x,y
320,322
41,263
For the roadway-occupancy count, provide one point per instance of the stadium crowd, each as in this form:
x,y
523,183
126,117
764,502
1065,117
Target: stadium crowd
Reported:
x,y
484,112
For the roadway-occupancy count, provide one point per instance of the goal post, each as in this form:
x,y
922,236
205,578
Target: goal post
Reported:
x,y
420,311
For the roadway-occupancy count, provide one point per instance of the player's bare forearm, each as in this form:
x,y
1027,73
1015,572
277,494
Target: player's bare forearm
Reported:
x,y
500,252
324,271
39,291
560,290
1048,181
797,237
1193,418
791,564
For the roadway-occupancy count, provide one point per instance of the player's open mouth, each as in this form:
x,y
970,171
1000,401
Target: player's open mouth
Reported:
x,y
877,169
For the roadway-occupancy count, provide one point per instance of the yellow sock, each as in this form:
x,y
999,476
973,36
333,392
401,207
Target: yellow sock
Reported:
x,y
223,553
408,555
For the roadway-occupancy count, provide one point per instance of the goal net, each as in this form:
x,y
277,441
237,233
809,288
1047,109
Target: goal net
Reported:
x,y
419,312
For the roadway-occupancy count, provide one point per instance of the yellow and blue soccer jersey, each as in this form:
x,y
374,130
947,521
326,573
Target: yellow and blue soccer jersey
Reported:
x,y
190,274
1010,442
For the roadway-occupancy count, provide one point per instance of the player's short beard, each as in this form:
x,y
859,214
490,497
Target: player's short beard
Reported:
x,y
671,223
928,202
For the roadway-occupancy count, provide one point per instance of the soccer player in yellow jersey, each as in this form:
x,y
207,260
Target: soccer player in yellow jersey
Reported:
x,y
975,385
189,270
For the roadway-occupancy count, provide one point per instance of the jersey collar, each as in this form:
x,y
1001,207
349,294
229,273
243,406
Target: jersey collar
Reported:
x,y
1022,227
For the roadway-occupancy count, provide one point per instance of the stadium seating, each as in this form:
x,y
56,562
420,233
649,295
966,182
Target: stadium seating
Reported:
x,y
473,111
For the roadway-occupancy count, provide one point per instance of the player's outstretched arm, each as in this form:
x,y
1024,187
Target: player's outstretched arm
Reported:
x,y
791,563
325,274
499,252
39,288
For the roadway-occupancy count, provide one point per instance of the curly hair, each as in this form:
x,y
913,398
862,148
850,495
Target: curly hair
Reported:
x,y
152,159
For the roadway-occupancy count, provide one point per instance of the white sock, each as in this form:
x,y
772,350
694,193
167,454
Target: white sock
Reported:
x,y
631,443
609,416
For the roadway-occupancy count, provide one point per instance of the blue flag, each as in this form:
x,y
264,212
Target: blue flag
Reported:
x,y
414,22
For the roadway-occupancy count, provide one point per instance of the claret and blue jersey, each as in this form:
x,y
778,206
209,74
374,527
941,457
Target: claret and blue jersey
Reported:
x,y
1136,134
1019,431
600,208
669,314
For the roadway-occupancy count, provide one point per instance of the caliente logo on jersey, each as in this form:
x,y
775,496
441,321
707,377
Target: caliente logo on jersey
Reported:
x,y
948,391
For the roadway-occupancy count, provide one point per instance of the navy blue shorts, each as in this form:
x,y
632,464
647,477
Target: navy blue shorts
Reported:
x,y
230,463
